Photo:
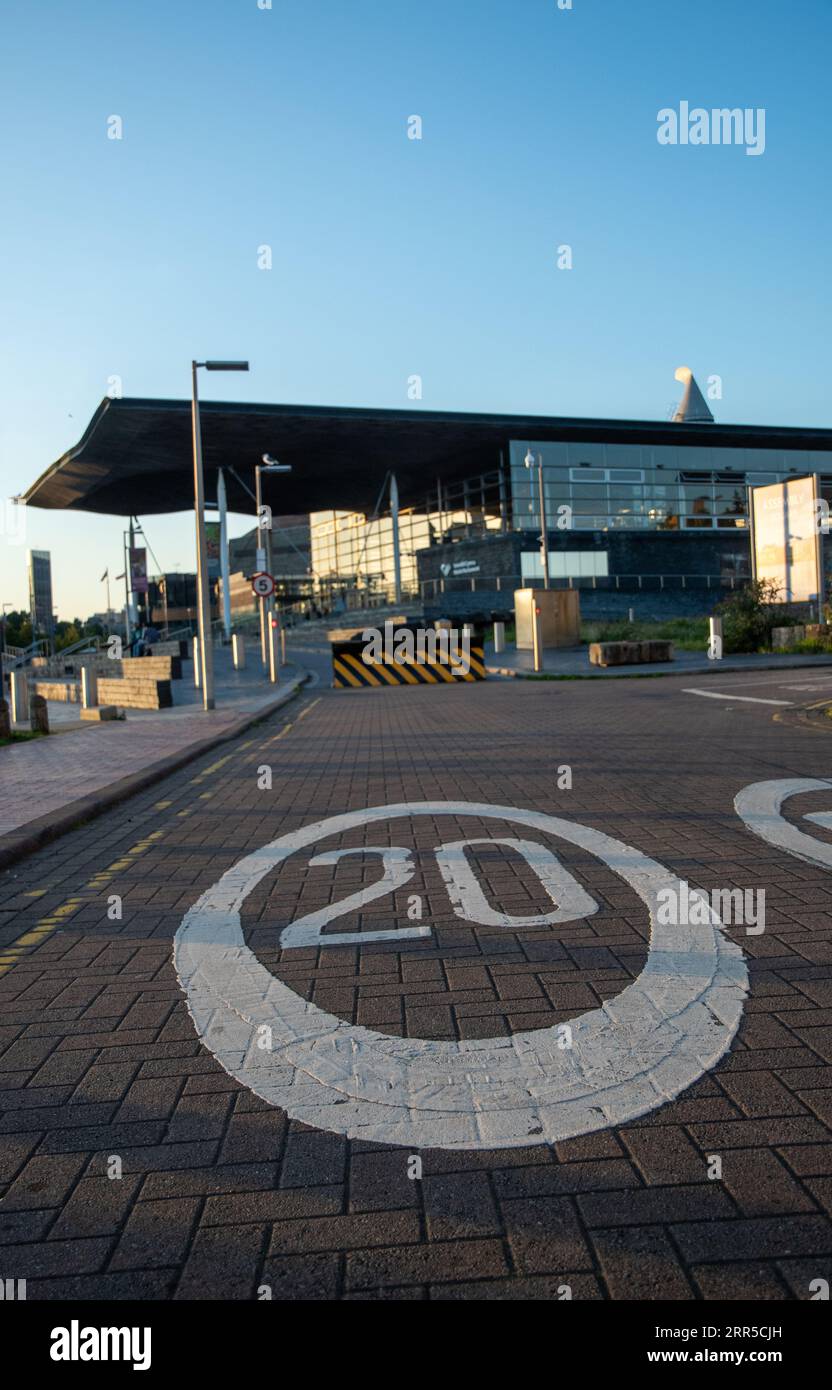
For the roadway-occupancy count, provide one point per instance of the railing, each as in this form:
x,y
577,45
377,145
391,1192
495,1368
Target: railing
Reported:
x,y
85,644
607,583
19,656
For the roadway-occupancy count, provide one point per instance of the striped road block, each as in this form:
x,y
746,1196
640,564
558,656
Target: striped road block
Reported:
x,y
351,671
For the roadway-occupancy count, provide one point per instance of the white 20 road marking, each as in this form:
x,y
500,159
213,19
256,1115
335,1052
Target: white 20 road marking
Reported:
x,y
636,1052
759,806
570,900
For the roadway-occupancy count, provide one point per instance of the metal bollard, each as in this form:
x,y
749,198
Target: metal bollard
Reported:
x,y
20,697
274,663
282,645
197,664
499,637
238,651
715,640
89,687
538,663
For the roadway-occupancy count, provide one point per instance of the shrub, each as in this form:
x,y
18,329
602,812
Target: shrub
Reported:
x,y
748,616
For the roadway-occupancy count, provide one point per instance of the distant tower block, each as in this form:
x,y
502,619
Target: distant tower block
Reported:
x,y
692,408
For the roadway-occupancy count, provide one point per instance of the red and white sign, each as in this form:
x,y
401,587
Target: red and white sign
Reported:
x,y
262,584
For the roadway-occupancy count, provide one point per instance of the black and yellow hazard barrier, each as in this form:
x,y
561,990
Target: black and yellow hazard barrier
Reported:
x,y
423,660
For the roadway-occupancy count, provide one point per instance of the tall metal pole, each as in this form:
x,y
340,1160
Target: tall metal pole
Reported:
x,y
127,633
264,652
544,530
225,568
206,651
397,559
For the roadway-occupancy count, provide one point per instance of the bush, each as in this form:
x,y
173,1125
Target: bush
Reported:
x,y
749,615
688,634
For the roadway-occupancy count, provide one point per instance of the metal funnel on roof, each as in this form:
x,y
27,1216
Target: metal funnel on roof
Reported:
x,y
692,408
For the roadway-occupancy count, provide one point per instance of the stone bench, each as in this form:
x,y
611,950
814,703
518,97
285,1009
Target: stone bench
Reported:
x,y
163,667
630,653
68,691
102,713
135,691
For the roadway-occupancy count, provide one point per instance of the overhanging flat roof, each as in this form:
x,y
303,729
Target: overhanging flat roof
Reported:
x,y
135,455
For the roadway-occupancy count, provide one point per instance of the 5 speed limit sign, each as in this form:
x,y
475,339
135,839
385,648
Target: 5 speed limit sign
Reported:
x,y
262,585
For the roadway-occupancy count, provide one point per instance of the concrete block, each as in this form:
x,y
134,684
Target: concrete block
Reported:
x,y
100,713
38,714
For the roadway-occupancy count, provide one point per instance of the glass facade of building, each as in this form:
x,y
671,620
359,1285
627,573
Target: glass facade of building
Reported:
x,y
641,487
353,553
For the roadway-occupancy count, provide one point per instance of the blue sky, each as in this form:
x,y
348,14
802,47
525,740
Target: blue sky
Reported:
x,y
288,127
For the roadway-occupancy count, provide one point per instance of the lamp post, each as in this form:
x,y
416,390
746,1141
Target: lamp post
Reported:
x,y
269,465
529,461
206,651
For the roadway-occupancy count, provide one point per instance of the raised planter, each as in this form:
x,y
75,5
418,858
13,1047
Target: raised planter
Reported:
x,y
135,692
630,653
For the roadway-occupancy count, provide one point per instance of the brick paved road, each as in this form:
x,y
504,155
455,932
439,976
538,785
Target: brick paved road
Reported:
x,y
221,1193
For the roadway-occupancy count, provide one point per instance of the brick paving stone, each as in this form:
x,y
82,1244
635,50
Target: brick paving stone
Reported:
x,y
736,1282
640,1263
442,1260
379,1182
754,1238
761,1185
156,1234
459,1205
545,1236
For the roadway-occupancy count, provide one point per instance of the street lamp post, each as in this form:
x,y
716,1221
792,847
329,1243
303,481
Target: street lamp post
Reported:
x,y
269,465
206,651
544,537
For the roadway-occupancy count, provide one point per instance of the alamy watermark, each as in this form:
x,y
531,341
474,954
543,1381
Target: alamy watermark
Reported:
x,y
733,906
445,645
720,126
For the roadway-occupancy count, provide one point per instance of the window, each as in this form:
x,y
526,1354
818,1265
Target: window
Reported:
x,y
566,564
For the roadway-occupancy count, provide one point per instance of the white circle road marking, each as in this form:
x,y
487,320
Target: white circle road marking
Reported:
x,y
759,807
638,1051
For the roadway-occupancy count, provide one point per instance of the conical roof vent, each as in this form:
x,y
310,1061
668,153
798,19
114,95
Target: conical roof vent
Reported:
x,y
692,409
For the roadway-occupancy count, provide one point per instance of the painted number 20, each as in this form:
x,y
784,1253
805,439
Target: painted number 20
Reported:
x,y
569,900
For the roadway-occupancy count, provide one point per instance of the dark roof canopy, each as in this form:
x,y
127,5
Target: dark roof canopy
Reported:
x,y
135,455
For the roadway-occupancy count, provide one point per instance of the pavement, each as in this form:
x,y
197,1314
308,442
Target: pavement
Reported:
x,y
574,661
143,1149
51,783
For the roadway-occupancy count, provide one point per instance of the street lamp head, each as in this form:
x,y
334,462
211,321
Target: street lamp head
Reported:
x,y
225,366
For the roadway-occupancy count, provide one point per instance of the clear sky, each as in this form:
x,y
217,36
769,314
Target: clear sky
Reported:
x,y
287,127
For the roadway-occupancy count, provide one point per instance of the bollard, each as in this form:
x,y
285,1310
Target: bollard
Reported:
x,y
197,663
536,649
238,651
89,688
282,645
499,637
20,697
39,715
715,640
274,673
5,722
632,615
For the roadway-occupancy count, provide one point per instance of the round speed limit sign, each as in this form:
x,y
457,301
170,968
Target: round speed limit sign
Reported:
x,y
262,585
